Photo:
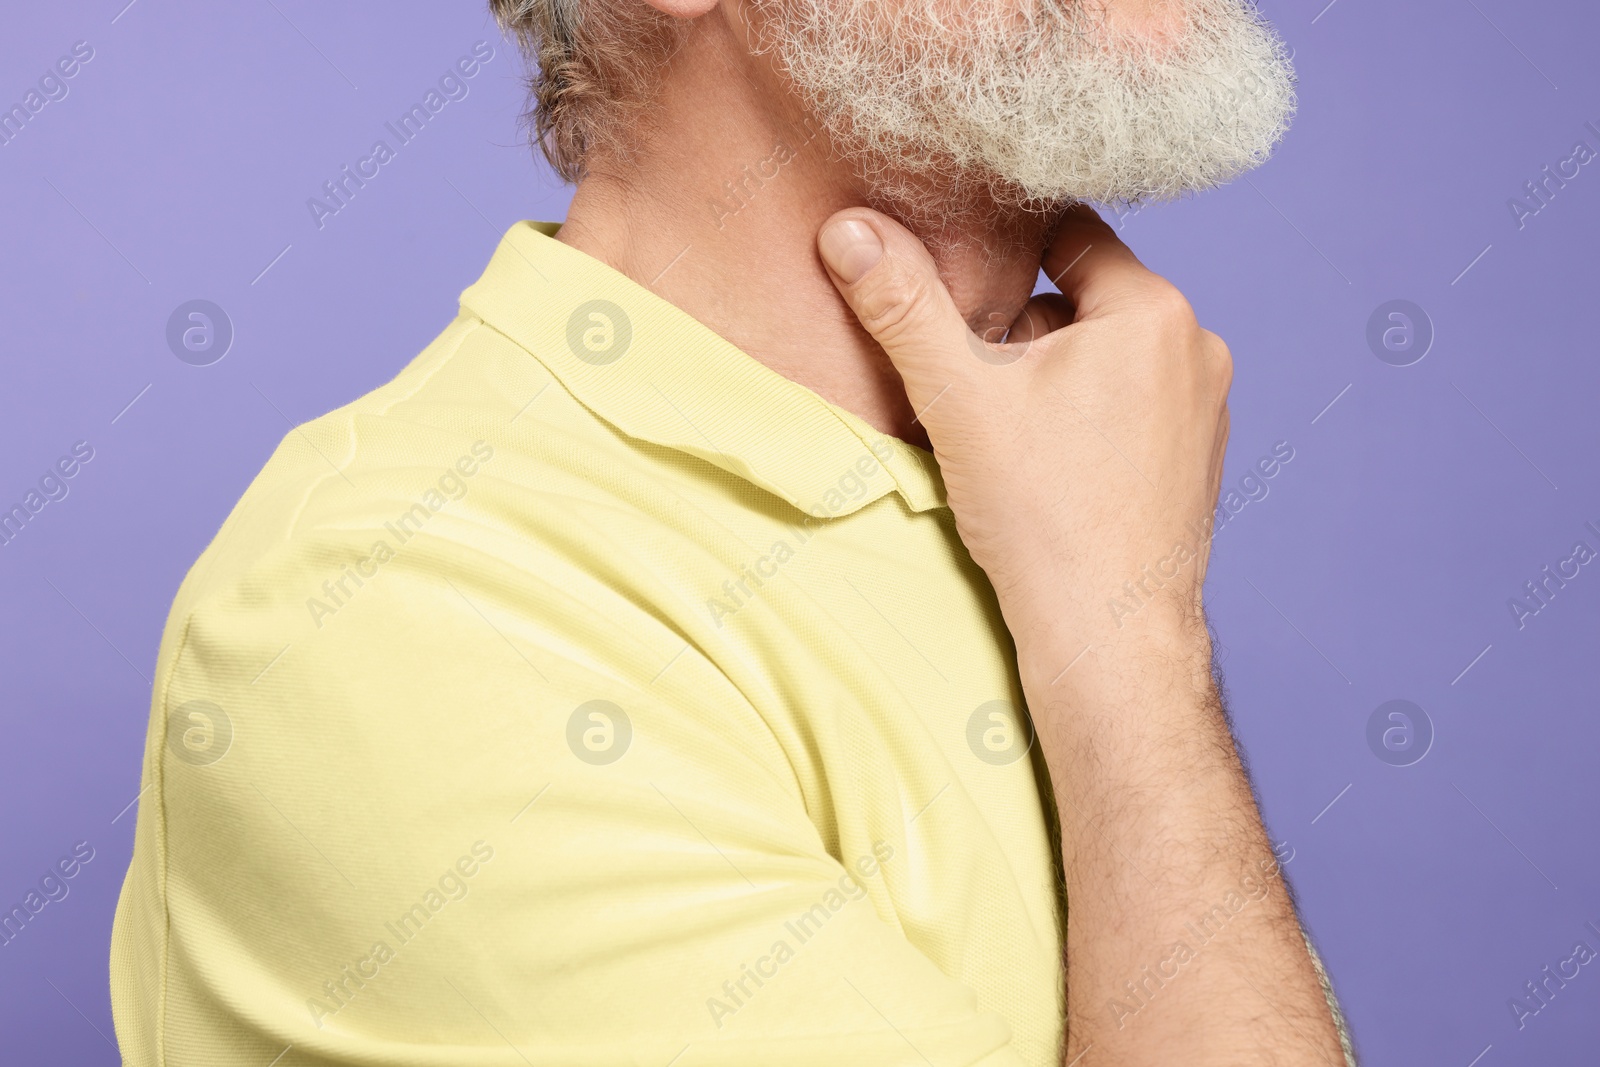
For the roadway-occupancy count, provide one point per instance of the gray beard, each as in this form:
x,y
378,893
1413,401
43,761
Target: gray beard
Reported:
x,y
946,107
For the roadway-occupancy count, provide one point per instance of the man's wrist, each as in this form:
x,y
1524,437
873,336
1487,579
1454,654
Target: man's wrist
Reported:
x,y
1168,648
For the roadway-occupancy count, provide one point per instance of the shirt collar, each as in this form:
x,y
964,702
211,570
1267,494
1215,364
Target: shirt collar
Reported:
x,y
657,374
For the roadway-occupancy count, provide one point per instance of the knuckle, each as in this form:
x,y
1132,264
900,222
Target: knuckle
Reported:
x,y
893,304
1167,300
1220,357
1225,380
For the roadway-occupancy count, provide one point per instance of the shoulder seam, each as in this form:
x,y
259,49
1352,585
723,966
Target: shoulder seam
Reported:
x,y
305,497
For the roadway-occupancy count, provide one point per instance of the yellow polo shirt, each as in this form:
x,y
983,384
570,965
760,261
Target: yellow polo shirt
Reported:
x,y
589,694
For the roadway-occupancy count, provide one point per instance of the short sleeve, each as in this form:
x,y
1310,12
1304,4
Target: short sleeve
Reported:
x,y
475,816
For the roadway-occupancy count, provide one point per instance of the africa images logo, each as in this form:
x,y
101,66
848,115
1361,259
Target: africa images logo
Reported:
x,y
450,486
452,86
53,87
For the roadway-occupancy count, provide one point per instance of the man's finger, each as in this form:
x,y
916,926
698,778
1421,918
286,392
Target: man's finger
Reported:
x,y
1088,262
1042,314
889,280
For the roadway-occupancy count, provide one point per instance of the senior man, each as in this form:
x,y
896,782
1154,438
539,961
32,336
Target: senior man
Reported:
x,y
718,647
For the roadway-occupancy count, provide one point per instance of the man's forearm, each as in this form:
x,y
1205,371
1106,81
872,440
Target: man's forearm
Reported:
x,y
1086,444
1180,932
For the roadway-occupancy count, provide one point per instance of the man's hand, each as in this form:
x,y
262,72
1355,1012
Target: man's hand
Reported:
x,y
1082,458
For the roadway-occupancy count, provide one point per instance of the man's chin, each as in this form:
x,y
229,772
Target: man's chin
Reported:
x,y
956,140
927,202
958,211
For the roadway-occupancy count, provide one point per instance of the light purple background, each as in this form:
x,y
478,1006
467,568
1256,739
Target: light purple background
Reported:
x,y
1379,566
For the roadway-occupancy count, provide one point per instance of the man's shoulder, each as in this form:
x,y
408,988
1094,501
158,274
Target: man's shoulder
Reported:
x,y
450,457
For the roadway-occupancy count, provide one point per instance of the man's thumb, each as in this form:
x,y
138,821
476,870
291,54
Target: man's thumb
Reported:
x,y
889,280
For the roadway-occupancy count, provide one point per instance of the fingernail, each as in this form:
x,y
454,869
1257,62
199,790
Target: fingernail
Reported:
x,y
851,248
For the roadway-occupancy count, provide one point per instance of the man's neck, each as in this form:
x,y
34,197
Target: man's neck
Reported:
x,y
718,213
